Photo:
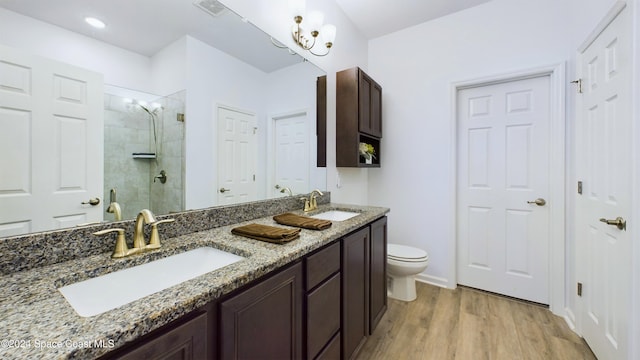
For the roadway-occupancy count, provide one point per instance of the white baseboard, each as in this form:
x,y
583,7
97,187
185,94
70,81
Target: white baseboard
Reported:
x,y
570,319
434,280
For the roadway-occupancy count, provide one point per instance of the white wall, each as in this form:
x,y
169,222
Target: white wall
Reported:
x,y
290,90
119,66
416,68
350,49
214,78
169,68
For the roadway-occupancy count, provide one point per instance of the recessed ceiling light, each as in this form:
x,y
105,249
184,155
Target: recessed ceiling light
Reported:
x,y
96,23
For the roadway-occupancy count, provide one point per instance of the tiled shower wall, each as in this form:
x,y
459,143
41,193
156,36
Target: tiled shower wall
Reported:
x,y
128,130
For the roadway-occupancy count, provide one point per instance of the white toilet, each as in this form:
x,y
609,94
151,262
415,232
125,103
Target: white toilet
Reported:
x,y
403,264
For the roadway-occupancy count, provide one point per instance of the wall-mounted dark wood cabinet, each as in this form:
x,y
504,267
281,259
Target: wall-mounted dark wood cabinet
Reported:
x,y
358,117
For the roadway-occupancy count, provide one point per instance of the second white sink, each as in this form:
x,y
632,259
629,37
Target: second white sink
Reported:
x,y
335,215
97,295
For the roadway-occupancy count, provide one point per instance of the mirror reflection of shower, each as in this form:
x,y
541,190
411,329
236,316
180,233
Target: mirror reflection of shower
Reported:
x,y
144,136
152,109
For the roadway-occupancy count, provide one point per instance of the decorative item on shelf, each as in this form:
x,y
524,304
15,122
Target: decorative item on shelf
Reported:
x,y
306,38
368,152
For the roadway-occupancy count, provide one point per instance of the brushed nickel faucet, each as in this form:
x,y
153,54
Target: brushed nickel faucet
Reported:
x,y
286,190
114,208
145,216
311,203
312,198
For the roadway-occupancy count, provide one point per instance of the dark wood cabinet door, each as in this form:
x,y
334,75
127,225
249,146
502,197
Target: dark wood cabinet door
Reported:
x,y
378,290
355,291
265,320
369,105
187,341
376,110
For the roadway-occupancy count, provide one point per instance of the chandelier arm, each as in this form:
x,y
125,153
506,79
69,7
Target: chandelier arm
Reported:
x,y
310,47
320,55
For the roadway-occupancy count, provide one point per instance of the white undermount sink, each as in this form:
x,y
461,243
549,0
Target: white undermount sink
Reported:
x,y
335,215
97,295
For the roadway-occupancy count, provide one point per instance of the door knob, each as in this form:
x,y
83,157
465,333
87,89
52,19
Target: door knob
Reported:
x,y
92,202
619,222
277,186
538,201
223,190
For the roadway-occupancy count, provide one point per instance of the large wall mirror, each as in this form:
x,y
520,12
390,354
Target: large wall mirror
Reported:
x,y
197,108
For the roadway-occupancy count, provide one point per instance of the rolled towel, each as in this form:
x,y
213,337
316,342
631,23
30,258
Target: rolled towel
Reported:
x,y
302,221
267,233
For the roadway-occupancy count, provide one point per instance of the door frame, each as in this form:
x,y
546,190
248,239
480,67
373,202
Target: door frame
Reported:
x,y
557,129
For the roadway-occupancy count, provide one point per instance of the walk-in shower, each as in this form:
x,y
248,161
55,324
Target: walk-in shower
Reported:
x,y
144,152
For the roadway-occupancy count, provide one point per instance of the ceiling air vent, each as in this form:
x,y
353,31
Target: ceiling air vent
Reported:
x,y
212,7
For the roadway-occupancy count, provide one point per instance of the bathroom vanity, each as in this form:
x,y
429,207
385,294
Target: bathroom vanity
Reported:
x,y
316,297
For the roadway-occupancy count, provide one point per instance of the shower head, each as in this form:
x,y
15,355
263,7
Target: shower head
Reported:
x,y
151,109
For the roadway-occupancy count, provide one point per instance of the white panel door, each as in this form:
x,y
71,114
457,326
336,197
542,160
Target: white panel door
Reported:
x,y
503,166
604,131
51,136
236,156
292,154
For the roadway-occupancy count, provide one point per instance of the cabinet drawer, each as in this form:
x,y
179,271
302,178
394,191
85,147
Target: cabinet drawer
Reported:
x,y
323,315
322,264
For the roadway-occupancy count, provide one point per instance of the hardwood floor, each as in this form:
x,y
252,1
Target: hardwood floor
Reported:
x,y
470,324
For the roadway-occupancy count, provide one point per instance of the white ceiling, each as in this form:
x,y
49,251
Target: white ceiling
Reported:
x,y
375,18
146,26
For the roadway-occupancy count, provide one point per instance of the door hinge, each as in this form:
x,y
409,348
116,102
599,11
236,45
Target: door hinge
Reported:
x,y
254,177
255,130
579,289
580,187
579,83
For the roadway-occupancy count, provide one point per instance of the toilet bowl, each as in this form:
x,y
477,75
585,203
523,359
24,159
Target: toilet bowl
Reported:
x,y
403,264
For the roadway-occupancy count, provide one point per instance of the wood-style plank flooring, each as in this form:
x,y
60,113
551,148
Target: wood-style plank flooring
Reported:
x,y
472,325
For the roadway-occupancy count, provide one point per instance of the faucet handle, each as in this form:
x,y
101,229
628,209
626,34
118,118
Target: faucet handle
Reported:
x,y
121,249
154,238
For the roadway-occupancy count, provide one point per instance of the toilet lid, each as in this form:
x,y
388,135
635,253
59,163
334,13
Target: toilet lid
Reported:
x,y
402,252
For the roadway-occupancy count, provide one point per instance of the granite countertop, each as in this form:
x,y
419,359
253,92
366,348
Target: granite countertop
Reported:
x,y
38,322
